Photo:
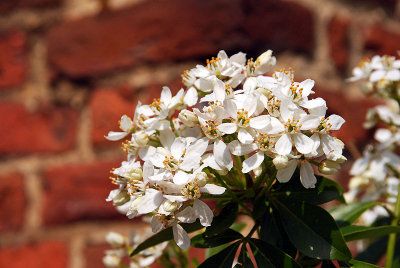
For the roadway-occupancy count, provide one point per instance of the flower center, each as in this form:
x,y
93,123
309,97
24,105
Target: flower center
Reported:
x,y
156,104
242,118
191,190
292,125
170,163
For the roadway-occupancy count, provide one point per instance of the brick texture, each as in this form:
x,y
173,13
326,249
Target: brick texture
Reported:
x,y
49,129
132,36
8,5
339,41
13,61
78,192
94,255
53,254
12,202
107,106
380,40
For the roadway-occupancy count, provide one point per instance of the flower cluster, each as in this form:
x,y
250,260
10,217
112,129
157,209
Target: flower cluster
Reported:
x,y
122,246
377,173
227,121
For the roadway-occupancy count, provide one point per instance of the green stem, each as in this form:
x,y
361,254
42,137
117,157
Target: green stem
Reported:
x,y
393,237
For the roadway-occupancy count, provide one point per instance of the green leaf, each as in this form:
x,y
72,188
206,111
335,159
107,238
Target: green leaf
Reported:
x,y
223,259
325,190
269,256
204,241
165,235
361,264
223,220
238,226
370,232
313,231
347,214
272,232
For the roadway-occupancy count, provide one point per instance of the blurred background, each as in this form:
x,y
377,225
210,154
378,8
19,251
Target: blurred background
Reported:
x,y
70,68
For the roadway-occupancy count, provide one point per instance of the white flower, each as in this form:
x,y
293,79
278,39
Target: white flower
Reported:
x,y
126,125
307,176
115,239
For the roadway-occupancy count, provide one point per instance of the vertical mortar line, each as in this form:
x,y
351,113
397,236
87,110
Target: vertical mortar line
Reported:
x,y
34,194
84,143
76,258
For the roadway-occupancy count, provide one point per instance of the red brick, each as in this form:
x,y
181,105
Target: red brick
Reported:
x,y
53,254
380,40
107,106
13,60
49,129
152,31
353,111
94,255
9,5
12,202
78,192
338,41
279,25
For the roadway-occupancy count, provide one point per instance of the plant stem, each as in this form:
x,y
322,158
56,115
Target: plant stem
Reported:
x,y
393,237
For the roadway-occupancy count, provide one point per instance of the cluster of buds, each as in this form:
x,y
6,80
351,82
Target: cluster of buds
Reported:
x,y
180,144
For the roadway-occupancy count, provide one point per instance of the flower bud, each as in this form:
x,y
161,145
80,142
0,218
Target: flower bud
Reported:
x,y
223,172
280,161
111,261
121,198
188,118
328,167
265,61
201,178
257,171
356,182
115,239
341,159
142,138
170,206
136,173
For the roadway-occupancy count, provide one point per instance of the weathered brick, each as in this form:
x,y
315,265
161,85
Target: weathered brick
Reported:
x,y
9,5
51,254
381,40
12,202
49,129
107,106
279,25
94,255
13,60
152,31
338,41
78,192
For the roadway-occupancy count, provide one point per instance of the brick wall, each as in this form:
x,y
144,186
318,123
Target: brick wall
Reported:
x,y
70,68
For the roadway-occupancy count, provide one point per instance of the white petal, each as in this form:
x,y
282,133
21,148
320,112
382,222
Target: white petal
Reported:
x,y
166,95
359,166
303,143
219,90
336,121
199,147
227,128
203,212
167,137
393,75
178,147
156,224
204,85
307,176
377,75
147,152
307,86
309,122
114,136
148,170
212,189
191,97
331,146
253,162
181,178
187,215
284,145
181,237
260,122
383,135
275,126
126,123
150,201
244,136
190,162
175,198
238,58
237,148
230,108
284,175
222,155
